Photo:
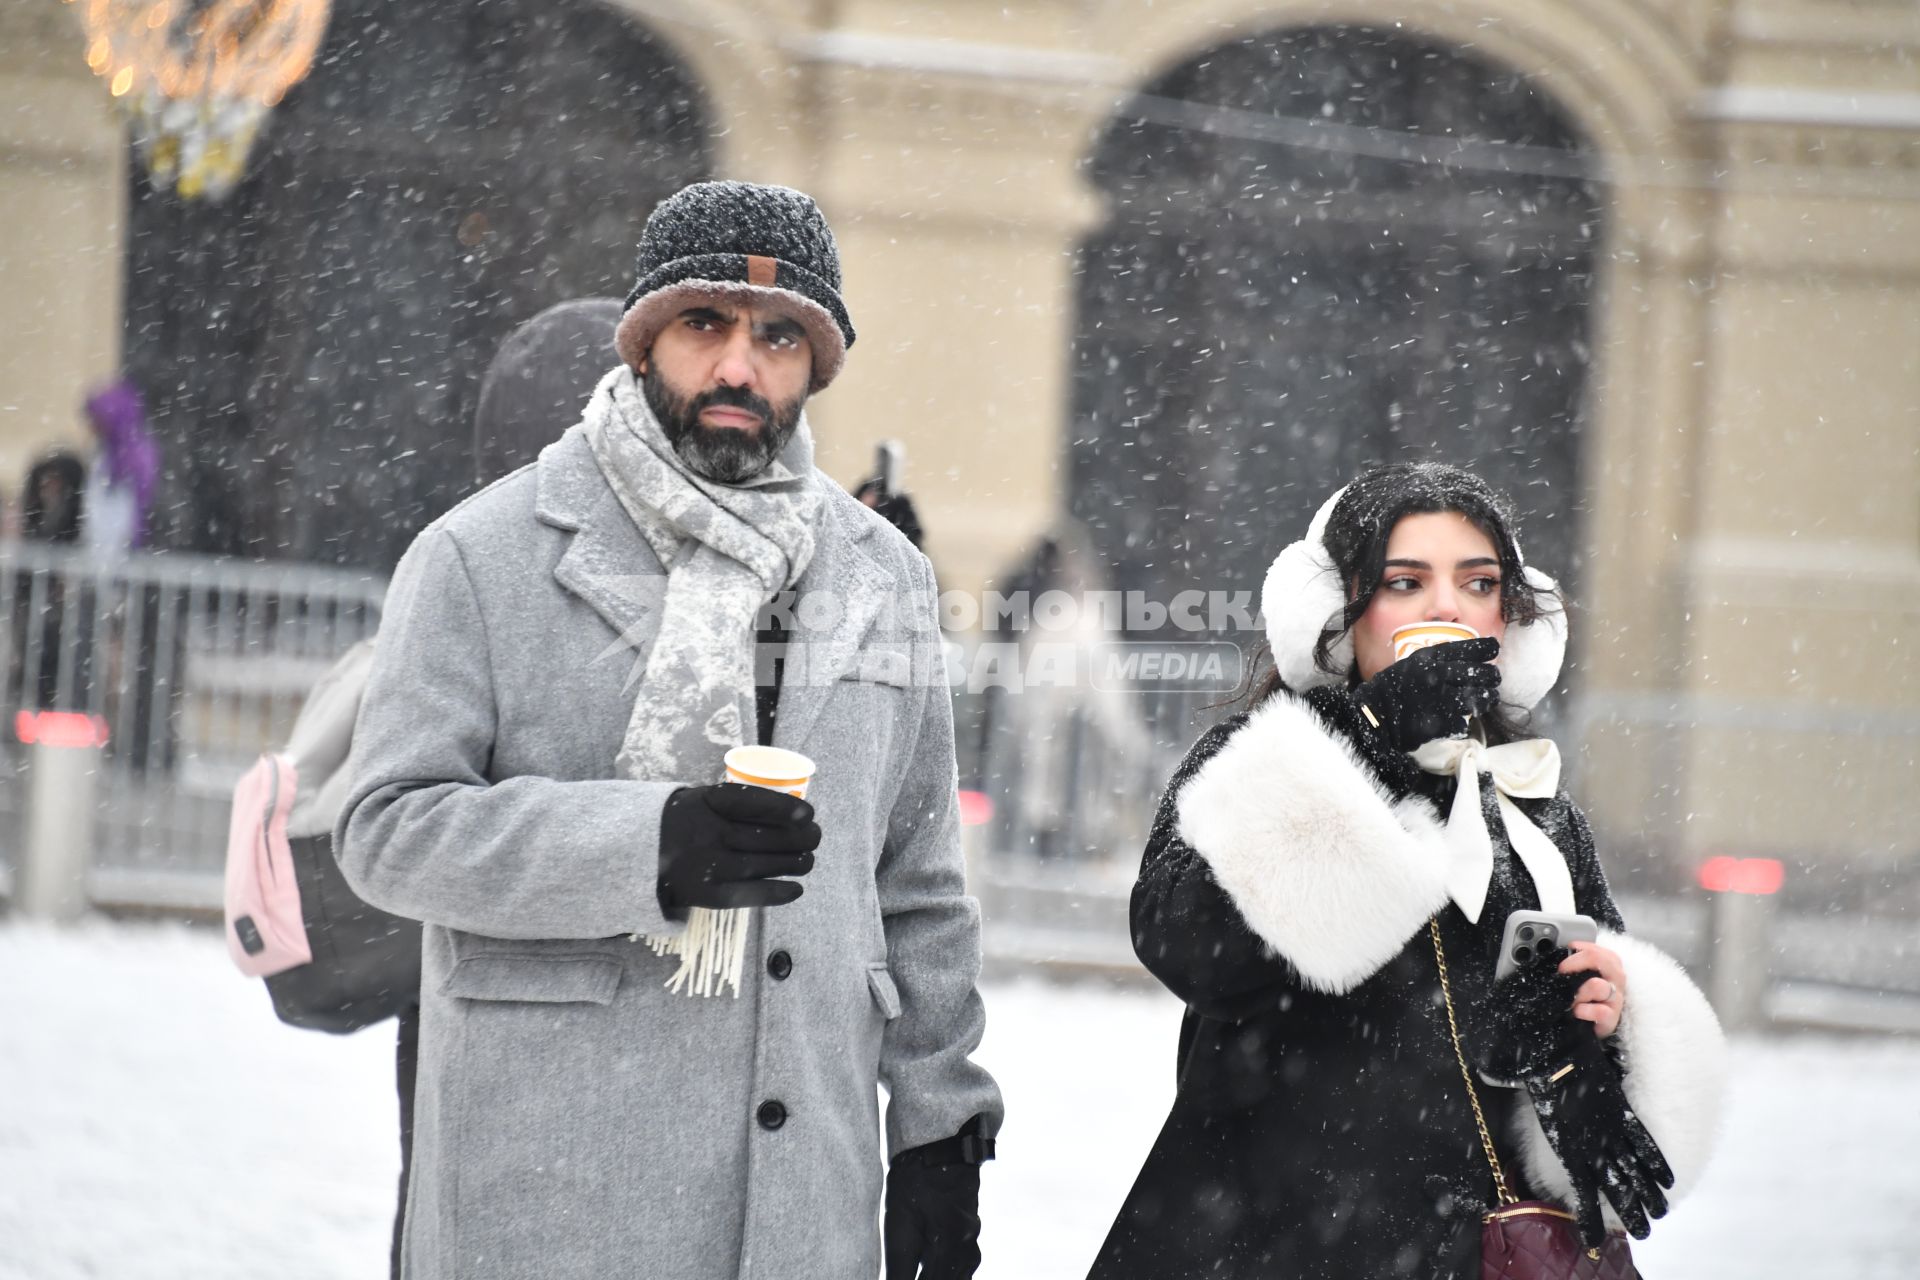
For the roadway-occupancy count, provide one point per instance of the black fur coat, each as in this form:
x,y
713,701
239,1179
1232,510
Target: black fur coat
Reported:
x,y
1321,1127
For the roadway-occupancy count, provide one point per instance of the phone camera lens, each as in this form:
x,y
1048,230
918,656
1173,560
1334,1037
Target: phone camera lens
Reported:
x,y
1526,933
1523,954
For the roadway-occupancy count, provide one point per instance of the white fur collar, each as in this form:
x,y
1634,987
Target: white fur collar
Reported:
x,y
1302,595
1322,863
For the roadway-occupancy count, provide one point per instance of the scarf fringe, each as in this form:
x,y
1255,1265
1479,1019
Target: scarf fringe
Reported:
x,y
712,951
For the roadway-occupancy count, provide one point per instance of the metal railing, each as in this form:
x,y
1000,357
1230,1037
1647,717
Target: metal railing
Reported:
x,y
192,666
188,667
1054,870
1073,785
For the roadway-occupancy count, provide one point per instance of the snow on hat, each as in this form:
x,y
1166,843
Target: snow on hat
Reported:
x,y
739,239
1303,595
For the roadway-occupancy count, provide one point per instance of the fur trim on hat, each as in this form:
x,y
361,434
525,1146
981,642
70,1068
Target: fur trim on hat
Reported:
x,y
1303,596
634,336
1318,857
1676,1077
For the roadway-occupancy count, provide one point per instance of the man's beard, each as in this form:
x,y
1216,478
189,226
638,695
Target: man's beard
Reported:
x,y
727,455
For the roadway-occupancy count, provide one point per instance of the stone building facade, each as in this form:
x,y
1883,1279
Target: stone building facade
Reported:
x,y
1725,246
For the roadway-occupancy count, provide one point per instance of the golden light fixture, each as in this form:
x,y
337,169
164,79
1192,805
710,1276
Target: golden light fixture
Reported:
x,y
198,77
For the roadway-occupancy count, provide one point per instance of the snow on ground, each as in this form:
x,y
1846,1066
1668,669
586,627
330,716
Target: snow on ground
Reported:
x,y
156,1123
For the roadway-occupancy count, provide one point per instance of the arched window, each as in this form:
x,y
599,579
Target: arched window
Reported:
x,y
313,347
1327,248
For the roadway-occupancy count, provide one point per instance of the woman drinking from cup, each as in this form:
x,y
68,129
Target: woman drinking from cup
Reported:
x,y
1326,885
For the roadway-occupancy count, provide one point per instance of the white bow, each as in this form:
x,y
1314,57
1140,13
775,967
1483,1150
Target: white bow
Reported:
x,y
1529,769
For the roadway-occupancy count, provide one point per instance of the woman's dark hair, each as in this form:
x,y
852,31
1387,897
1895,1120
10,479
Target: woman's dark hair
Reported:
x,y
1363,520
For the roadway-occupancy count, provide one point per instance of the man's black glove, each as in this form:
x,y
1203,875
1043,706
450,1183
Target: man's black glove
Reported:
x,y
1431,692
1526,1035
932,1226
721,846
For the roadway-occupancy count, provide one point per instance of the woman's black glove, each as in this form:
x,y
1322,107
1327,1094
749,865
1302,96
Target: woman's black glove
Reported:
x,y
1337,710
1524,1025
1606,1150
932,1226
1525,1035
1431,692
721,846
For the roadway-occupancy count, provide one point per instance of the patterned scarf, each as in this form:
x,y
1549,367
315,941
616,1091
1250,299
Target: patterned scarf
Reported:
x,y
727,549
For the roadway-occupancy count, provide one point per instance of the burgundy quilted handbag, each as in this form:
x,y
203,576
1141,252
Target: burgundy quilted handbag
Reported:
x,y
1528,1239
1534,1240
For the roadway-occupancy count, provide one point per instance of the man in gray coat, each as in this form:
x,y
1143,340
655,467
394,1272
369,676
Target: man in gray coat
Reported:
x,y
564,659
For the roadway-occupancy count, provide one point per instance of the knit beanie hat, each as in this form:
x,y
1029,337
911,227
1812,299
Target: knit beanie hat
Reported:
x,y
743,240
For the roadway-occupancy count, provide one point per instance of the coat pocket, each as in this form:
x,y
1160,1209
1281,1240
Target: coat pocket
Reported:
x,y
542,979
886,996
882,663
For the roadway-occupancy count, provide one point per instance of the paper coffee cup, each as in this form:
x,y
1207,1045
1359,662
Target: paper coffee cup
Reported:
x,y
771,767
1422,635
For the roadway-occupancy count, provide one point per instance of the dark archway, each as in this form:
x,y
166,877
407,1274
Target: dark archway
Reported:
x,y
1328,247
313,346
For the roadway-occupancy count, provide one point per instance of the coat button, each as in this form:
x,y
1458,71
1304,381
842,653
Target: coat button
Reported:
x,y
771,1115
780,964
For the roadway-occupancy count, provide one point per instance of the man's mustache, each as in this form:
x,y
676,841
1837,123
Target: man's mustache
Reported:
x,y
730,398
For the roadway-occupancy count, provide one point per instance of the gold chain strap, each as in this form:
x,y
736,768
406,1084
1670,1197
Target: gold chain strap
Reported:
x,y
1473,1095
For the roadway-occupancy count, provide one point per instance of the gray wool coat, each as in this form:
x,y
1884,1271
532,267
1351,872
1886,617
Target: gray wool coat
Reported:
x,y
573,1119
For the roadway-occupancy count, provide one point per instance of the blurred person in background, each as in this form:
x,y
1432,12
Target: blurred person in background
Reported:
x,y
121,485
1315,861
883,492
52,513
564,660
537,384
125,471
1067,750
53,503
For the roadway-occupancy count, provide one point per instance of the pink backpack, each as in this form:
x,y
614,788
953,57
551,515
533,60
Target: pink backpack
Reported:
x,y
332,962
266,933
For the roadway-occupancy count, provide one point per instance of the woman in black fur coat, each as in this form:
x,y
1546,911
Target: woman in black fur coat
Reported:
x,y
1322,1126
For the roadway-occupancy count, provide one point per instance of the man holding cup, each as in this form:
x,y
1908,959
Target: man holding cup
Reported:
x,y
656,1003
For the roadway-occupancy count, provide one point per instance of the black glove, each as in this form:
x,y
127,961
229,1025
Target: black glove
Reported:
x,y
721,846
1431,692
932,1225
1606,1150
1337,710
1526,1035
1524,1025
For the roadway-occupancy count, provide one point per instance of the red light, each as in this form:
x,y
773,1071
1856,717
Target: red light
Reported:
x,y
60,728
1742,875
976,808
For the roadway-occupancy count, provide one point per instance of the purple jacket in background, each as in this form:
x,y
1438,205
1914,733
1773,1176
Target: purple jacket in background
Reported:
x,y
128,455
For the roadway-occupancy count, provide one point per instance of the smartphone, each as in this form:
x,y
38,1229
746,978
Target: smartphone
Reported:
x,y
1530,932
889,456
